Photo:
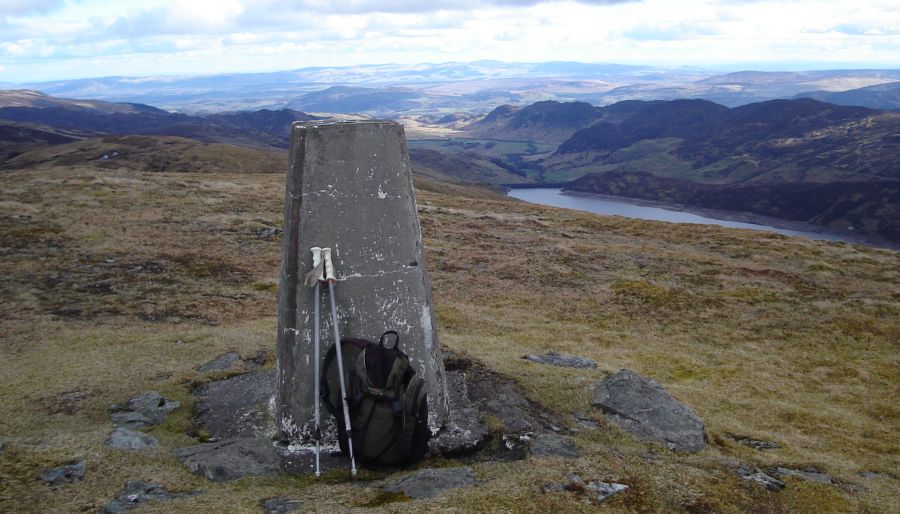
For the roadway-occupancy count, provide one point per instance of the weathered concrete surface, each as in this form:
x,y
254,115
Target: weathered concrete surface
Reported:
x,y
349,187
645,408
466,430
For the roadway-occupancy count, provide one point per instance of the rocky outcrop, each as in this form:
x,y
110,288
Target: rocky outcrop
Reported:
x,y
646,410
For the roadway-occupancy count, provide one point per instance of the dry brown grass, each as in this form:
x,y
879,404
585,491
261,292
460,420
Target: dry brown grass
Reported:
x,y
116,282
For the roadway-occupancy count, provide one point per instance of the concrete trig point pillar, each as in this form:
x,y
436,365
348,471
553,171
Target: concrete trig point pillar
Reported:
x,y
349,187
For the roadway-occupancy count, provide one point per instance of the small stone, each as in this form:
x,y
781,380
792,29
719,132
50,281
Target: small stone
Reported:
x,y
553,445
606,490
281,505
65,474
151,404
221,362
757,476
645,409
125,439
562,360
426,483
267,232
136,493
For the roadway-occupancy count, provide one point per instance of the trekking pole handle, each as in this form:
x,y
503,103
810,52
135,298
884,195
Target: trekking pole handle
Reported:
x,y
317,256
329,266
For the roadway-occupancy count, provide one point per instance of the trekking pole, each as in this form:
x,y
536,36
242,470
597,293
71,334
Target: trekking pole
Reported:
x,y
331,280
316,275
317,264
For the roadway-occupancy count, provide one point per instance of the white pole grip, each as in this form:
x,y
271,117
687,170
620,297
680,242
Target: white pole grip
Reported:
x,y
329,266
317,256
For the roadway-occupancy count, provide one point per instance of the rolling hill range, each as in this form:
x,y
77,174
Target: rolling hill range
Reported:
x,y
757,149
250,128
394,89
879,96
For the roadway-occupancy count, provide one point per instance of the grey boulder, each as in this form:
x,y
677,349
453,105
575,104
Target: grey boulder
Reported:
x,y
431,482
125,439
65,474
646,410
231,459
151,406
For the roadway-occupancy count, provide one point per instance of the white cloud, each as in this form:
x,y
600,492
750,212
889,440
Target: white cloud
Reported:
x,y
46,38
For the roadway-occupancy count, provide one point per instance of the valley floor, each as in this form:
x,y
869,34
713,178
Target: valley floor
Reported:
x,y
117,282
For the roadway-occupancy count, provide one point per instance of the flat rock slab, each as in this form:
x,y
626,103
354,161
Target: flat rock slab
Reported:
x,y
125,439
467,430
231,459
149,408
812,475
221,362
553,445
433,481
137,493
562,359
646,410
281,505
237,407
65,474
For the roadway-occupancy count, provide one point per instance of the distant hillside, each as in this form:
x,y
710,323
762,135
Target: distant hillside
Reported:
x,y
461,168
547,121
31,98
866,207
153,154
879,96
779,140
260,128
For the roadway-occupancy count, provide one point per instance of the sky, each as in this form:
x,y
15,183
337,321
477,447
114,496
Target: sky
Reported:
x,y
42,40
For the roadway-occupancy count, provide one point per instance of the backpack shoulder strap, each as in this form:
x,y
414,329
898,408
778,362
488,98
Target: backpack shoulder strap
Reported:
x,y
324,389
